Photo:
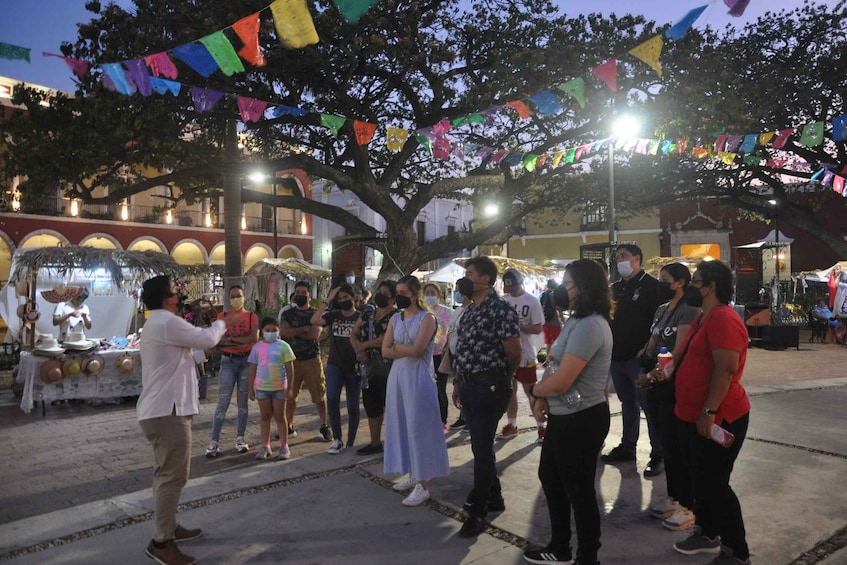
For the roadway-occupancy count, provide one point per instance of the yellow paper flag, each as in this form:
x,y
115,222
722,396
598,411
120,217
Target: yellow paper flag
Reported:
x,y
294,23
726,157
649,52
764,138
396,138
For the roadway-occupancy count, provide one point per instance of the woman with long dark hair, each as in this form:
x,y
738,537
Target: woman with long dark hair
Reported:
x,y
571,397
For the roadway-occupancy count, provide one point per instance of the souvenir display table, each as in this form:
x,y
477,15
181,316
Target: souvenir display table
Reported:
x,y
111,382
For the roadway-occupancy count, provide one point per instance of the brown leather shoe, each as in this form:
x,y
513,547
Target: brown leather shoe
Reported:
x,y
182,535
168,554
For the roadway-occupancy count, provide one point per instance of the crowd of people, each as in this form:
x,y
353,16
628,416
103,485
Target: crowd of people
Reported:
x,y
398,352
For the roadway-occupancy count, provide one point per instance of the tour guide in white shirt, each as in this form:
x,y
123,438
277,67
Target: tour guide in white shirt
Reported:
x,y
166,406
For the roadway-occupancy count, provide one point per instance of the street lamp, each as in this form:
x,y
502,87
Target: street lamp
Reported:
x,y
775,203
258,178
624,126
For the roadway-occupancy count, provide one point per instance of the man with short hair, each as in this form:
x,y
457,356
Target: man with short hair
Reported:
x,y
530,319
72,315
302,336
636,299
552,323
168,401
488,352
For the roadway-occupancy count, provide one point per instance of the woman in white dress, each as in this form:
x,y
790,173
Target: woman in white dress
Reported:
x,y
414,439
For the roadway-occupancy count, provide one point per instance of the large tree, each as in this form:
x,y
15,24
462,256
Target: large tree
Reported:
x,y
405,63
785,70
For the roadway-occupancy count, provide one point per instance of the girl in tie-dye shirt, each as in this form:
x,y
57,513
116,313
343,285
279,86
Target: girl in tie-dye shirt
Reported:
x,y
271,363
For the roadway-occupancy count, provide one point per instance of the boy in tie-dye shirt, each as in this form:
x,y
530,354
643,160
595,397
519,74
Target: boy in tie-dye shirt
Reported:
x,y
271,364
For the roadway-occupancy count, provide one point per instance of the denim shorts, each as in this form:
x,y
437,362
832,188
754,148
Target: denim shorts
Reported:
x,y
271,395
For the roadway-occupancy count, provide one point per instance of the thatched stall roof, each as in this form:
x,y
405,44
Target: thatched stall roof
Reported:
x,y
655,264
297,268
271,280
140,265
523,267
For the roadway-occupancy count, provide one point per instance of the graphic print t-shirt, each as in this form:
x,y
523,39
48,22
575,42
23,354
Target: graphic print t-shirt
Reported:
x,y
270,359
244,322
341,353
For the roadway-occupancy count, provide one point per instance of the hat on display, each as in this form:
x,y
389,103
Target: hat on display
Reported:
x,y
512,278
61,293
92,365
51,371
125,363
71,367
48,344
76,340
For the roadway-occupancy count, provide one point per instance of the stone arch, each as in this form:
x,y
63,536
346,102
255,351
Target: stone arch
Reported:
x,y
100,240
7,250
218,254
290,251
148,243
43,238
189,251
256,253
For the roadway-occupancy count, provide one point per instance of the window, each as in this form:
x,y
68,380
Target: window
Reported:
x,y
594,216
421,229
451,229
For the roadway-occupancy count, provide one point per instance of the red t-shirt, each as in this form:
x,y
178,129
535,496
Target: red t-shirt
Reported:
x,y
723,329
245,321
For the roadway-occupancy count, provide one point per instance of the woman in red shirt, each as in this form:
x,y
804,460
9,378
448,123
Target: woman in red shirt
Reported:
x,y
708,392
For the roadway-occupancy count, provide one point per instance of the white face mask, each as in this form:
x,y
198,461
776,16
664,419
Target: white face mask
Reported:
x,y
270,336
431,300
624,268
350,280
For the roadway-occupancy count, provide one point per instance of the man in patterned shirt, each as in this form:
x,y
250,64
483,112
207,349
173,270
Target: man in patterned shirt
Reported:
x,y
487,354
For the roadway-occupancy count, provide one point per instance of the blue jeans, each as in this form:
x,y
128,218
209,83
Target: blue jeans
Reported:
x,y
336,378
232,371
483,404
624,374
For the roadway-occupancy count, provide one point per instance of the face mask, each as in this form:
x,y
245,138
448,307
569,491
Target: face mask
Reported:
x,y
561,298
457,297
380,300
270,336
624,268
465,286
350,280
431,300
665,292
402,302
693,297
301,299
236,303
346,305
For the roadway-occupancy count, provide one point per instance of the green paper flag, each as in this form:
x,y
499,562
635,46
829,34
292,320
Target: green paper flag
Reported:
x,y
812,134
469,119
576,88
13,52
570,155
332,122
530,161
752,160
352,10
223,53
424,141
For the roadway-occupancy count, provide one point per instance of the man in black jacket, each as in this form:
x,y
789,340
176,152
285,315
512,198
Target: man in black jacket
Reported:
x,y
636,300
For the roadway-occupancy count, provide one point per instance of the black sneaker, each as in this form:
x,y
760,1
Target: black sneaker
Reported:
x,y
472,527
292,432
324,433
369,449
494,505
546,555
654,468
620,454
458,425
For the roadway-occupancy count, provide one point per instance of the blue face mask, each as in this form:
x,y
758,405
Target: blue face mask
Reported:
x,y
431,300
270,336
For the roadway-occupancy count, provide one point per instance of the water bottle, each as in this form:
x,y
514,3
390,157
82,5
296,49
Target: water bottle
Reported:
x,y
665,358
721,436
572,398
363,373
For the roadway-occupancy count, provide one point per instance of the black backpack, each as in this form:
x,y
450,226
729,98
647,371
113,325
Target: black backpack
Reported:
x,y
547,305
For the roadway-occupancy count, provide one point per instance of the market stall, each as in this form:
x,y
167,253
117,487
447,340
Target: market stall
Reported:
x,y
536,275
271,281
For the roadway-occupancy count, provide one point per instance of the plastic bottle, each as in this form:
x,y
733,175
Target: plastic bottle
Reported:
x,y
721,436
665,358
363,373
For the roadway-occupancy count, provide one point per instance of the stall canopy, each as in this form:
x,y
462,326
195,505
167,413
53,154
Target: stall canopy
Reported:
x,y
270,281
447,274
524,267
823,275
769,241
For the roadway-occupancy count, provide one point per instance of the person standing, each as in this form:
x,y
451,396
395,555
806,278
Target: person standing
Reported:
x,y
552,321
234,373
571,396
302,335
709,393
271,363
432,297
72,315
530,319
339,314
636,300
488,352
366,339
168,401
414,438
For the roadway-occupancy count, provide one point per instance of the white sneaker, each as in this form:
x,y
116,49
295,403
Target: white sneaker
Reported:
x,y
264,452
405,485
284,452
417,496
663,509
682,519
212,449
241,445
336,447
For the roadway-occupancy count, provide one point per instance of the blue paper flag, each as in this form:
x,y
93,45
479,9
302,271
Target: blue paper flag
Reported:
x,y
197,57
680,28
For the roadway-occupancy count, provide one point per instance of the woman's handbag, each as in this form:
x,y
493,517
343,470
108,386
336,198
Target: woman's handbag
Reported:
x,y
446,365
378,366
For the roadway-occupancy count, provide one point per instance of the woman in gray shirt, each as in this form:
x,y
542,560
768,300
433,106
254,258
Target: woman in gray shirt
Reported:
x,y
570,396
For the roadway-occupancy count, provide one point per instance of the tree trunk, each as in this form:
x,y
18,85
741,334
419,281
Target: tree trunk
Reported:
x,y
233,270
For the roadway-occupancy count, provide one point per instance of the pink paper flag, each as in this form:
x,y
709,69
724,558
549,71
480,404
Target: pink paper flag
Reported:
x,y
608,73
161,65
782,138
251,109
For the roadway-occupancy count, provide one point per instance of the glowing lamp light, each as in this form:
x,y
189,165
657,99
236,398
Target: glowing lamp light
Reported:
x,y
74,208
124,211
491,210
243,222
304,228
16,205
169,217
208,220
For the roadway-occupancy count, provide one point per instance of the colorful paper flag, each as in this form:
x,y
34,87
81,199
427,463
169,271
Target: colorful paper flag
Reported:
x,y
782,137
196,56
293,23
14,52
204,98
608,73
812,134
838,127
765,138
332,122
352,10
736,7
138,71
576,88
251,109
223,53
679,29
396,138
163,86
522,109
649,52
161,65
749,143
247,29
546,103
78,67
364,131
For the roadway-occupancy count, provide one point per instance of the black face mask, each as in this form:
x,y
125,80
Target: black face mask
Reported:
x,y
465,286
665,292
346,305
380,300
301,300
561,298
693,297
402,302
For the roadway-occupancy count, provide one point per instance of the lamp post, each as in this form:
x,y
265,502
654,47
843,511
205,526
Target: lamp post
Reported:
x,y
775,203
624,126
